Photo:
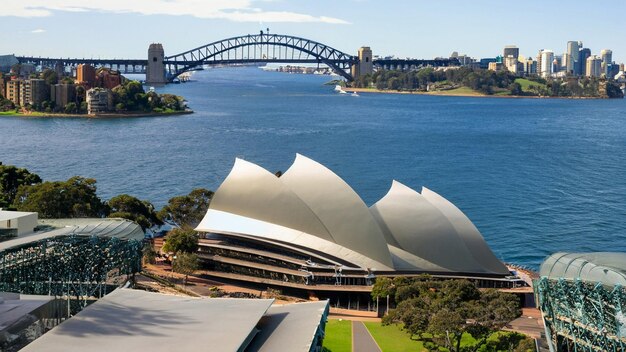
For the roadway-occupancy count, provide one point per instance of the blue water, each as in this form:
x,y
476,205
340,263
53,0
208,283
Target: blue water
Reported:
x,y
535,175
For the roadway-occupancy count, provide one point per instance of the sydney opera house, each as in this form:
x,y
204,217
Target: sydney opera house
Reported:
x,y
308,229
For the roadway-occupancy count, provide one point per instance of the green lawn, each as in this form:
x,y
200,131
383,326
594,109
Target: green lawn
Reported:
x,y
391,339
338,336
13,113
457,91
525,83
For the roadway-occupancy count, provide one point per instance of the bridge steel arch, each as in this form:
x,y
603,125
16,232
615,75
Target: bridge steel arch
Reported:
x,y
266,48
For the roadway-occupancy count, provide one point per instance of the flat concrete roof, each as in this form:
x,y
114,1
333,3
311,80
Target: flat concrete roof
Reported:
x,y
290,327
14,306
133,320
10,215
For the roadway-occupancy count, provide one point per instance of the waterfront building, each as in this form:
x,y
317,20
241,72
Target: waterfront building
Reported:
x,y
573,48
33,92
593,66
583,54
510,51
107,78
99,100
13,91
62,94
546,61
86,75
582,297
607,60
309,231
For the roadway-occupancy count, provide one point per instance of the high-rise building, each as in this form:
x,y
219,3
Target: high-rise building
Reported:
x,y
573,47
607,59
510,63
539,62
547,58
530,66
13,91
86,74
583,54
33,91
594,66
557,63
567,64
511,51
62,94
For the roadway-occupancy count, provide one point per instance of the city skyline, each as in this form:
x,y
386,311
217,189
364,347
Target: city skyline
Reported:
x,y
404,29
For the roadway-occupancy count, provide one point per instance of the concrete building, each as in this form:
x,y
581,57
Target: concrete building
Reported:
x,y
510,50
510,63
567,64
33,92
365,65
99,100
12,91
557,63
583,54
573,47
546,59
495,66
22,223
607,60
86,75
155,71
593,67
530,66
62,94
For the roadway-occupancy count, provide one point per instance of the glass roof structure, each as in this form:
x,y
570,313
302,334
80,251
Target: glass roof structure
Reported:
x,y
608,268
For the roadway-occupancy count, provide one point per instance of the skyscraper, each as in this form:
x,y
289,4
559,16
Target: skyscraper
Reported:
x,y
607,59
568,63
573,47
583,54
593,66
511,51
547,57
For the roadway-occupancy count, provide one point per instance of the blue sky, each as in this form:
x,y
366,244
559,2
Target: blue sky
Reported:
x,y
423,29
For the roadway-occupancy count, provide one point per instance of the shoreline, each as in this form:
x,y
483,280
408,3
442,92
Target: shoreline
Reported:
x,y
99,116
442,93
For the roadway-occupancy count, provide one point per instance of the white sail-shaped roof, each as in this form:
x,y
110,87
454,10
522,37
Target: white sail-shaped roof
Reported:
x,y
474,241
251,191
216,221
338,206
311,207
420,228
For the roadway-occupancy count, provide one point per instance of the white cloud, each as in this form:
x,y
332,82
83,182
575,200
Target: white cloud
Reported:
x,y
38,30
233,10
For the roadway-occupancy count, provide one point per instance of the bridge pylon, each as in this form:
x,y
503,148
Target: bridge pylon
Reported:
x,y
365,65
155,69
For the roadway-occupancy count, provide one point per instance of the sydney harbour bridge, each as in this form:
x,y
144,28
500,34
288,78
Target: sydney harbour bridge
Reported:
x,y
247,49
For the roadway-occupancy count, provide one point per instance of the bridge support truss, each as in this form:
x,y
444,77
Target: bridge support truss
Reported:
x,y
581,316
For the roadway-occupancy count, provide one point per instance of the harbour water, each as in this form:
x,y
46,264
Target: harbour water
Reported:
x,y
535,175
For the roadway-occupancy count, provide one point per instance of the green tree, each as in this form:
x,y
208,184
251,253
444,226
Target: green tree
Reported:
x,y
187,211
11,178
441,312
74,198
186,264
50,76
131,208
70,108
181,240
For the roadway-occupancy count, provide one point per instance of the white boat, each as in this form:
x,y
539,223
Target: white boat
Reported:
x,y
338,88
354,94
343,92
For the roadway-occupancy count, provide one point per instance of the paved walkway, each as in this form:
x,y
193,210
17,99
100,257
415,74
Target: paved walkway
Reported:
x,y
362,340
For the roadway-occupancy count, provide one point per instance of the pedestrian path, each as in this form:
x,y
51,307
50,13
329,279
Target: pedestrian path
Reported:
x,y
362,340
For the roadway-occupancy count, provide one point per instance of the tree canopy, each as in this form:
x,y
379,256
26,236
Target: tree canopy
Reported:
x,y
181,241
11,178
131,208
74,198
440,312
187,211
